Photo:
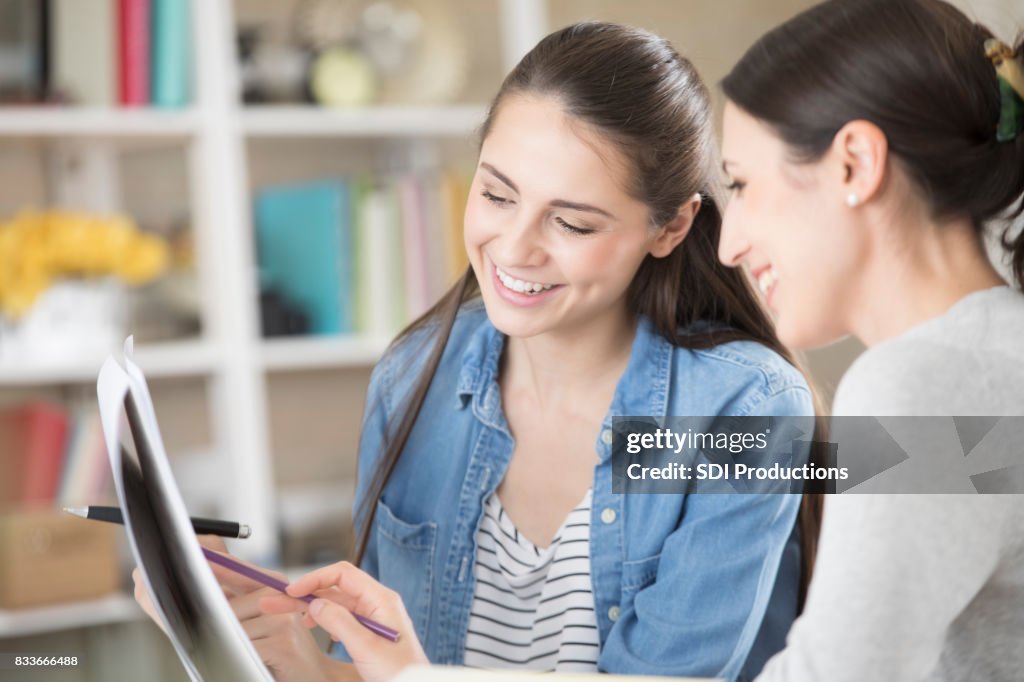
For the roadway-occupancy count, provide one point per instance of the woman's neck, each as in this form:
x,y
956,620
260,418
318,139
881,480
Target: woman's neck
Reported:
x,y
574,366
917,273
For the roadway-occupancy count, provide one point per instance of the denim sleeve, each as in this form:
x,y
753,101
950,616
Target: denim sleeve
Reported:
x,y
715,582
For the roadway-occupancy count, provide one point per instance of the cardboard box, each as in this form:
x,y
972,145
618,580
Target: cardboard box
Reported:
x,y
49,557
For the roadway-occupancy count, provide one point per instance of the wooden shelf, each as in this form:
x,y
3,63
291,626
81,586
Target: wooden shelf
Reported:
x,y
168,359
117,608
321,352
97,122
309,121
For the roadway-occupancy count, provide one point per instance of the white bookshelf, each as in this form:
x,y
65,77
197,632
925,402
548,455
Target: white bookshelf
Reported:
x,y
95,122
393,122
157,360
230,356
308,353
116,608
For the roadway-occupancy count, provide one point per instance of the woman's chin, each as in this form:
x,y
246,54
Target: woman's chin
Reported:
x,y
509,321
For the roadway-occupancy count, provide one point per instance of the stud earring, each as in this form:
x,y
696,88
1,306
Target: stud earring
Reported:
x,y
852,199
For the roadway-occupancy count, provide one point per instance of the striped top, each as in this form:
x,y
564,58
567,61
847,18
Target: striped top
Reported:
x,y
533,609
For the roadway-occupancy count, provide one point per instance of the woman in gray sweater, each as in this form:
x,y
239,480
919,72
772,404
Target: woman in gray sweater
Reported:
x,y
867,142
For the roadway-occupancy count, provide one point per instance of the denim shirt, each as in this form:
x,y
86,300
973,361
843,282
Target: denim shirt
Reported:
x,y
702,585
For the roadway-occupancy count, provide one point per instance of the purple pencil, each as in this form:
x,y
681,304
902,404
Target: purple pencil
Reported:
x,y
280,585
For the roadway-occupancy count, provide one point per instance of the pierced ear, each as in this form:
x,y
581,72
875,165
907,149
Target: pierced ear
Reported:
x,y
672,233
863,151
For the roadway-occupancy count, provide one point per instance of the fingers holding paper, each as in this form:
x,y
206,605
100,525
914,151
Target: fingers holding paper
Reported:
x,y
282,642
143,598
231,583
344,590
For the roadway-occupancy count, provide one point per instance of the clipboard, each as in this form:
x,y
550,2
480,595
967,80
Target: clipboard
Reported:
x,y
194,612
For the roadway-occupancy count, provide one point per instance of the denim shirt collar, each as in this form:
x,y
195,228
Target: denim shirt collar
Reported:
x,y
650,361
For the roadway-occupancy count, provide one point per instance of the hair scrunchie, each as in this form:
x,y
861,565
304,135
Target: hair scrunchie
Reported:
x,y
1010,73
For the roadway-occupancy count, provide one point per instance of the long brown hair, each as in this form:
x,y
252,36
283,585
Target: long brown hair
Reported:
x,y
915,68
635,89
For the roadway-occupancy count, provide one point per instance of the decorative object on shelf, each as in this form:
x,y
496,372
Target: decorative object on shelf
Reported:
x,y
169,309
385,51
271,71
321,24
62,277
24,45
342,77
38,548
280,317
72,320
418,48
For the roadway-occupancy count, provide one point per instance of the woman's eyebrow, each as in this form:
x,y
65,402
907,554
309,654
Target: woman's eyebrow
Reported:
x,y
558,203
498,174
575,206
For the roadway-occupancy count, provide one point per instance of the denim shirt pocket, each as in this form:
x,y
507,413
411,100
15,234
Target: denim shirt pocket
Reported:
x,y
638,574
405,553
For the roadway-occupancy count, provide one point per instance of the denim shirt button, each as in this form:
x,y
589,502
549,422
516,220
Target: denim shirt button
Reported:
x,y
608,515
606,437
613,613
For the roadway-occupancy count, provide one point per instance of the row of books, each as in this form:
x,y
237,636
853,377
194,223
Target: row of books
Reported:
x,y
126,52
361,255
52,455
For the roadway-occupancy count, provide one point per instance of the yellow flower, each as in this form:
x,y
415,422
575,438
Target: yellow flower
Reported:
x,y
38,247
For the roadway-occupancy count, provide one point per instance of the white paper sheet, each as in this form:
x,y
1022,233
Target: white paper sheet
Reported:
x,y
196,616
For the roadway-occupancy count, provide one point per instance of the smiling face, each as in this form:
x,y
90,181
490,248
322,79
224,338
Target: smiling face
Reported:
x,y
552,233
788,225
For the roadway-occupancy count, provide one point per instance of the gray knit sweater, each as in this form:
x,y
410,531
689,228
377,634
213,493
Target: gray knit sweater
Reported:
x,y
922,587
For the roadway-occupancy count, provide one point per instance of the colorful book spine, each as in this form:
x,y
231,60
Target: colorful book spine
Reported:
x,y
455,192
437,270
359,188
417,274
133,52
84,51
170,61
48,428
33,438
382,255
86,467
13,446
303,235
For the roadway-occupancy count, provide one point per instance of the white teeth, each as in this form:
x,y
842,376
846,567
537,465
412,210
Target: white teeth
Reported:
x,y
766,280
521,286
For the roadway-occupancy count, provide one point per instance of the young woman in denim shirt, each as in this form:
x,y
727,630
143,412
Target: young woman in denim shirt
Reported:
x,y
594,291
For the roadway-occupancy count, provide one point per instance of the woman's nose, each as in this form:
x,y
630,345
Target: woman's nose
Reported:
x,y
733,246
521,244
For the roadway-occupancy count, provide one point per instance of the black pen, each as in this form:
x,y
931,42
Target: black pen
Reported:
x,y
226,529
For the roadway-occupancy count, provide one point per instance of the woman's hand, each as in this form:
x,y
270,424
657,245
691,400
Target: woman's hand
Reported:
x,y
342,589
282,641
